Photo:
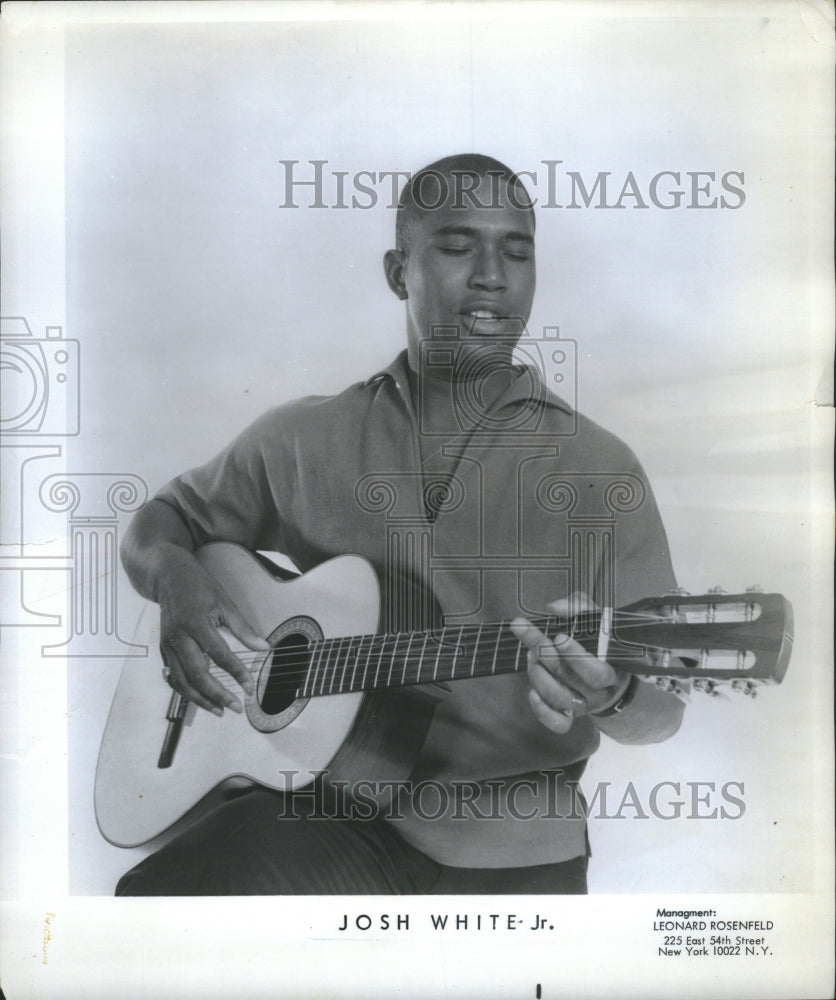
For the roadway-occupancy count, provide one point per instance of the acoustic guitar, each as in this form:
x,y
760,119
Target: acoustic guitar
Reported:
x,y
332,695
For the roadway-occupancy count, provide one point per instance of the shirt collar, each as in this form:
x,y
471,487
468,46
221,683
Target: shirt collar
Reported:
x,y
396,371
527,387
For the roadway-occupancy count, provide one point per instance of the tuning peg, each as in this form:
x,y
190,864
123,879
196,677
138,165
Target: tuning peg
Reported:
x,y
744,687
706,686
717,590
754,589
670,685
710,688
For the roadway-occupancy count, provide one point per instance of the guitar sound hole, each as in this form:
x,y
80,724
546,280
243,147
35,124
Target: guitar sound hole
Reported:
x,y
288,663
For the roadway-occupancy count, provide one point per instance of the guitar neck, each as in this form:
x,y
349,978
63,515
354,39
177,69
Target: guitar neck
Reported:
x,y
710,638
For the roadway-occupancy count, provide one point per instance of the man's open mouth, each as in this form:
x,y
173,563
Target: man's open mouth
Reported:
x,y
484,314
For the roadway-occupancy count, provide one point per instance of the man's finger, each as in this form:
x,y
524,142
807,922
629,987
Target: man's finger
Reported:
x,y
530,636
558,722
565,658
178,682
589,672
558,696
558,655
217,649
195,664
575,604
241,628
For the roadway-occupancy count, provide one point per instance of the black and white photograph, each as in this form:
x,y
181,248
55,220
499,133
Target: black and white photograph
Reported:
x,y
417,519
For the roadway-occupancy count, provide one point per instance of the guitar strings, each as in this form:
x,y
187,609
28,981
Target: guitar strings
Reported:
x,y
322,673
289,680
377,642
624,622
322,670
460,635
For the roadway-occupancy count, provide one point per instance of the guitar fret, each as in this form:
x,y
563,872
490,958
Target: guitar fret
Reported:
x,y
356,661
366,668
312,650
496,649
335,664
438,654
310,680
325,668
406,658
383,639
337,655
456,653
300,692
323,650
420,666
322,666
475,650
345,662
392,660
328,667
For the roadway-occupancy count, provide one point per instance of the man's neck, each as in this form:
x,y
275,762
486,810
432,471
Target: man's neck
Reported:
x,y
443,400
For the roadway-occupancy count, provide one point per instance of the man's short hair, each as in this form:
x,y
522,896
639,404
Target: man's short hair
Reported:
x,y
432,186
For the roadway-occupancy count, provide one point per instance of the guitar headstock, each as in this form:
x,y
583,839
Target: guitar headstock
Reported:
x,y
740,640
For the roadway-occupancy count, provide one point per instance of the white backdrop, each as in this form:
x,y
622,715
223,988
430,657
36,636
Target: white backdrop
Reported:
x,y
702,334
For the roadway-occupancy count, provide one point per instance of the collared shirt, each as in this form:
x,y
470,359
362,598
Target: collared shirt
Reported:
x,y
497,512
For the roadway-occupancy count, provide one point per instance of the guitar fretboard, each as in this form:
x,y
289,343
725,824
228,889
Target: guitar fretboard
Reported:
x,y
456,652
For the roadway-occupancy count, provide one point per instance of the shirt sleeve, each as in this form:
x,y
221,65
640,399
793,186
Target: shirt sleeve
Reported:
x,y
232,498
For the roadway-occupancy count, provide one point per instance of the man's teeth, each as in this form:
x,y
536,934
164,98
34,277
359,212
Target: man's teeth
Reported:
x,y
482,314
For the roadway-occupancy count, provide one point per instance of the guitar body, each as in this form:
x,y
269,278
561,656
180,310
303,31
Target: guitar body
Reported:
x,y
353,736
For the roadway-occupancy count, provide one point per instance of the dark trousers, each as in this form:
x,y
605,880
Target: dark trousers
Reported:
x,y
243,848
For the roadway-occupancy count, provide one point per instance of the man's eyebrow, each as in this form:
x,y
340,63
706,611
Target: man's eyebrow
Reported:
x,y
470,231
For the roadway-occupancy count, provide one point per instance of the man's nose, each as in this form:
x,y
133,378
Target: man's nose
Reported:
x,y
488,271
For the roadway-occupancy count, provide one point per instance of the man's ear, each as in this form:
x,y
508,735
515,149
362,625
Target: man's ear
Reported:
x,y
394,262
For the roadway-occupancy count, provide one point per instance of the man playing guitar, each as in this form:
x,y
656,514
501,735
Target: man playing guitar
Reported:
x,y
459,446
